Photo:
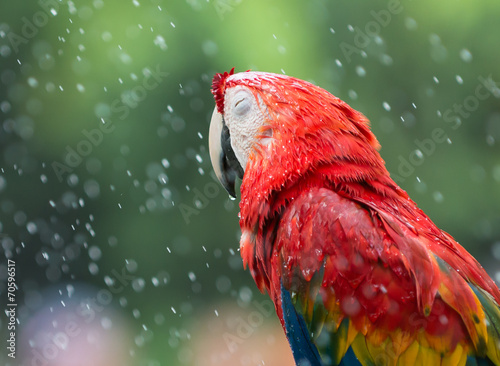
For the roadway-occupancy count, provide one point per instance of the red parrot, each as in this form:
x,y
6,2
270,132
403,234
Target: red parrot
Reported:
x,y
358,274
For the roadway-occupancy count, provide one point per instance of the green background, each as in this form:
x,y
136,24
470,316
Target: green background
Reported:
x,y
143,200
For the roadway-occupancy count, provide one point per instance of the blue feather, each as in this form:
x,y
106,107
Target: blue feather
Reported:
x,y
350,359
304,350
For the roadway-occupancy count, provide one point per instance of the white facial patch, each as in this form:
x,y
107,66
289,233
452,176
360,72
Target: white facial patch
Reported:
x,y
243,115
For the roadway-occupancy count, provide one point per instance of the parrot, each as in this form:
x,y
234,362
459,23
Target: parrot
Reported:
x,y
358,274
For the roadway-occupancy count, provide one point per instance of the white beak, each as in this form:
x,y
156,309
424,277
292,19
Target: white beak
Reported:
x,y
225,164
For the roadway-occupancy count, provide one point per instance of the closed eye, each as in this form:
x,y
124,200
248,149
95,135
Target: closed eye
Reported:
x,y
243,105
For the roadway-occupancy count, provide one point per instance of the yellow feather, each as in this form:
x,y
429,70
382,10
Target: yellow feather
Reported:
x,y
376,337
427,356
351,334
494,350
409,356
492,323
463,359
334,314
474,320
441,344
382,354
307,303
401,340
361,351
340,343
457,358
343,337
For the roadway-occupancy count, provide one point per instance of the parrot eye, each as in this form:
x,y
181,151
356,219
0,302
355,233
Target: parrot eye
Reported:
x,y
243,103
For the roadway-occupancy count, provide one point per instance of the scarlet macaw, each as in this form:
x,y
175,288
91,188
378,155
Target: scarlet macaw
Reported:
x,y
359,275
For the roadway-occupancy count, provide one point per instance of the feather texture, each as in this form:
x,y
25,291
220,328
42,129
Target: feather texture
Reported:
x,y
356,270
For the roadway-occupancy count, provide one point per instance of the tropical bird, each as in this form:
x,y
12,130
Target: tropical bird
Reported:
x,y
358,274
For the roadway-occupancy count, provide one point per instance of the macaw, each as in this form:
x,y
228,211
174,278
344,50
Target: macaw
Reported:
x,y
358,274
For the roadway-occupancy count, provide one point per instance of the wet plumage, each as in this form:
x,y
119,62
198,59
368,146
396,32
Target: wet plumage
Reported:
x,y
359,275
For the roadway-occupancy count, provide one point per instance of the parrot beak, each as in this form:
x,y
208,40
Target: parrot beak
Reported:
x,y
226,165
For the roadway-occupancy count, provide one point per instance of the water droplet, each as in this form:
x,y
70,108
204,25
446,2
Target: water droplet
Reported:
x,y
32,82
106,36
410,23
106,323
465,55
31,227
438,197
360,71
160,42
209,48
131,265
138,284
352,94
95,253
93,268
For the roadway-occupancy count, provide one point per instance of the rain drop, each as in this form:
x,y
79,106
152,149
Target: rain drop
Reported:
x,y
160,42
465,55
360,71
138,284
438,197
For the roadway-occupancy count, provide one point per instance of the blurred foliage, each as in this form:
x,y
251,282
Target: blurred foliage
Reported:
x,y
143,198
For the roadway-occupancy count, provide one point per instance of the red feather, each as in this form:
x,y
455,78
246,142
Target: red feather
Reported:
x,y
320,202
218,87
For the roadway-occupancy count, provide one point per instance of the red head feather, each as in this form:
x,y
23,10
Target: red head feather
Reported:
x,y
218,85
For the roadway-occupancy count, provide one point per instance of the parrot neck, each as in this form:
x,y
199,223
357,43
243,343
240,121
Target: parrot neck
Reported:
x,y
341,162
355,171
269,186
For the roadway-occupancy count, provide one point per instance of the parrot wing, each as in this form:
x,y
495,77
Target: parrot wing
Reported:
x,y
358,287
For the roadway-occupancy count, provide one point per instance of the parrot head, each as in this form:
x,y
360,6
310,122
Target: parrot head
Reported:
x,y
285,127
